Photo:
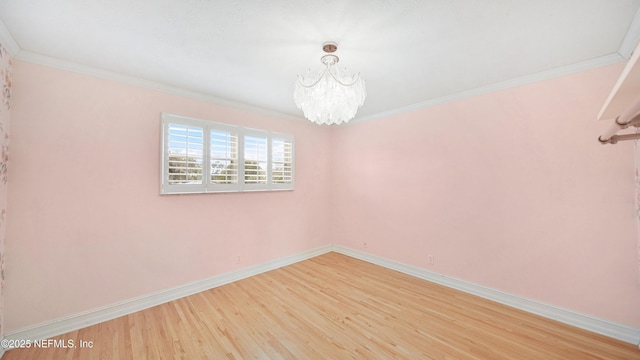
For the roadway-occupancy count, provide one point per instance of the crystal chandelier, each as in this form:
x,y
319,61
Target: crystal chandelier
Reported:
x,y
329,96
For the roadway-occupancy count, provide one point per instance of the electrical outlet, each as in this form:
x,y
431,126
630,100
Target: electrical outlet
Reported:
x,y
238,260
431,260
364,245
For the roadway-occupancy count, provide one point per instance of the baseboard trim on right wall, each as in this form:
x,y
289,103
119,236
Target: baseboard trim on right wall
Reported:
x,y
583,321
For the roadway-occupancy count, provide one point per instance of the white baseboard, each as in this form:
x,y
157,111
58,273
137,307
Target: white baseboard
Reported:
x,y
587,322
96,316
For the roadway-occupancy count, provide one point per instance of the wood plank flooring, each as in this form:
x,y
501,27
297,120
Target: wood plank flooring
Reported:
x,y
333,307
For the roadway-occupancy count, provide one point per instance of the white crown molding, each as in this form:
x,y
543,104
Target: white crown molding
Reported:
x,y
631,38
110,312
7,40
544,75
169,89
70,66
587,322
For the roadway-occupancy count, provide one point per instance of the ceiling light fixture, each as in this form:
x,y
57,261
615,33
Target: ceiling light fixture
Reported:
x,y
329,96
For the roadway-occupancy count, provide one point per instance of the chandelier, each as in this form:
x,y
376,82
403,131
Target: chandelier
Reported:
x,y
329,96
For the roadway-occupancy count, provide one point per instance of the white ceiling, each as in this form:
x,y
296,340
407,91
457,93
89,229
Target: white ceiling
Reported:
x,y
248,52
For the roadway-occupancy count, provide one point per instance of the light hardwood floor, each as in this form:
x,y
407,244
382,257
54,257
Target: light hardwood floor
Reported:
x,y
333,307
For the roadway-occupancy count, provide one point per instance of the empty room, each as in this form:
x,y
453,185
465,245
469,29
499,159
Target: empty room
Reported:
x,y
319,179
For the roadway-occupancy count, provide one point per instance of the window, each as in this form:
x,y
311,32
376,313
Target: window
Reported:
x,y
200,156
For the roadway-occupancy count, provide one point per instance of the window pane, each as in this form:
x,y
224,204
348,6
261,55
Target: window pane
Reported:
x,y
281,161
185,146
255,160
224,157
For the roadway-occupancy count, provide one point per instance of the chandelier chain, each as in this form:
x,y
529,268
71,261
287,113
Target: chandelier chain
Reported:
x,y
328,69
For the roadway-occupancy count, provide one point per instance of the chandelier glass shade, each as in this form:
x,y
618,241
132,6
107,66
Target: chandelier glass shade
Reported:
x,y
330,95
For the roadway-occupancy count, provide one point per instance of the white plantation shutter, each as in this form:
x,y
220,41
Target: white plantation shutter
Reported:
x,y
200,156
282,162
223,159
255,162
185,154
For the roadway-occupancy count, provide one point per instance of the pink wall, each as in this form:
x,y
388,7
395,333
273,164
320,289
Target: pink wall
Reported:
x,y
510,190
87,226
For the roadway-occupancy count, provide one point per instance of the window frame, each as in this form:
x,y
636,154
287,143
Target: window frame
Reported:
x,y
166,188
